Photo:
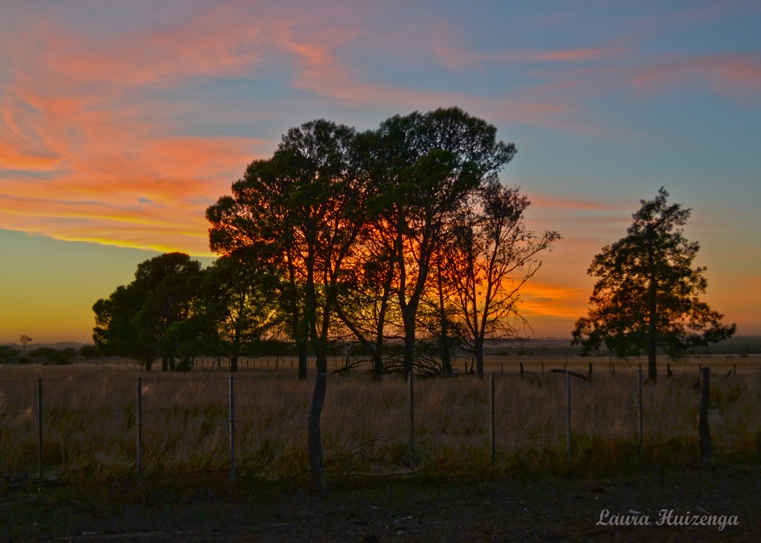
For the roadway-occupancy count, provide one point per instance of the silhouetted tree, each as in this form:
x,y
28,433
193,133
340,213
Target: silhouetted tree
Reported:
x,y
238,308
303,208
490,258
89,351
425,166
647,293
135,319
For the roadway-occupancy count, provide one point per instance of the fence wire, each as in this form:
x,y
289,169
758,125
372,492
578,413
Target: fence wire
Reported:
x,y
90,427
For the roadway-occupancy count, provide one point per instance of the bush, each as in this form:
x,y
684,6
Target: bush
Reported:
x,y
8,354
54,356
90,351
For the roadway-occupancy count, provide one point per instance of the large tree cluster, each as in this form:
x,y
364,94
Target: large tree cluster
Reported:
x,y
398,243
401,239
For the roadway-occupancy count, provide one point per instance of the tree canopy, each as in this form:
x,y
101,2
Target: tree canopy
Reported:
x,y
647,295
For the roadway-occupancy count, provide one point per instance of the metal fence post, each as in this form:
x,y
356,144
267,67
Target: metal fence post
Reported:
x,y
39,434
412,422
640,418
492,410
139,431
232,429
569,443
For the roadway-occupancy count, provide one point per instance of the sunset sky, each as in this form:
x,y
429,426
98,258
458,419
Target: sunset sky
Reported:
x,y
120,122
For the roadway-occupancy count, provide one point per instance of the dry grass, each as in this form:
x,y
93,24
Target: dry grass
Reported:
x,y
89,419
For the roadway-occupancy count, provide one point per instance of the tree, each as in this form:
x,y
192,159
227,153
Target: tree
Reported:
x,y
305,209
237,306
426,165
647,293
490,258
135,319
89,351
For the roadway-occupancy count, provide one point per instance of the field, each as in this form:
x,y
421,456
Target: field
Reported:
x,y
454,492
90,419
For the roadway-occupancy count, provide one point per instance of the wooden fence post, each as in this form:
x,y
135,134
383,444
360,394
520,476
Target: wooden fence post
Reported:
x,y
640,414
139,432
492,427
232,429
412,422
569,443
39,434
703,430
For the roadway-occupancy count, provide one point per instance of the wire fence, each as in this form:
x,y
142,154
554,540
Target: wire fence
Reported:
x,y
252,425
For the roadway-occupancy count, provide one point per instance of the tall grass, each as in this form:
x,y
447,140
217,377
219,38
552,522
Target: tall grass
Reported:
x,y
89,417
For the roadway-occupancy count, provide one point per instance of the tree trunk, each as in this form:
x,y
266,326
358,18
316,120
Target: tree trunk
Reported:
x,y
234,363
314,440
164,363
478,353
301,348
148,363
377,364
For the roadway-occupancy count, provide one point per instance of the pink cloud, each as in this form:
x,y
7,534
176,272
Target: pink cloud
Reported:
x,y
450,49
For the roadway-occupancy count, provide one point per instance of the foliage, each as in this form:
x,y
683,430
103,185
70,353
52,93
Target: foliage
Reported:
x,y
135,320
54,356
647,293
8,354
89,351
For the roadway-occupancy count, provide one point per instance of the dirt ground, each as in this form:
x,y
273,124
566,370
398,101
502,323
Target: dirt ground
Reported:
x,y
537,508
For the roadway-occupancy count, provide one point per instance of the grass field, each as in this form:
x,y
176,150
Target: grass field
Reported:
x,y
90,418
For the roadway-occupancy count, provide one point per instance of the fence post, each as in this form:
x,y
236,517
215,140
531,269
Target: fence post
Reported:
x,y
412,423
703,430
232,429
640,418
569,443
493,426
139,431
39,434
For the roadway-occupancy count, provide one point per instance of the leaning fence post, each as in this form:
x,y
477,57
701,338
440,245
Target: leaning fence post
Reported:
x,y
412,423
492,426
569,444
703,430
232,429
139,431
640,418
39,434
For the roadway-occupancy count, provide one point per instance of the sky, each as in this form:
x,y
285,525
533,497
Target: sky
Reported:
x,y
121,122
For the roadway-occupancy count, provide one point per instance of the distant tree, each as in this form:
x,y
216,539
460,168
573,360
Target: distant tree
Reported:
x,y
239,310
54,356
167,303
135,319
647,293
8,354
89,351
